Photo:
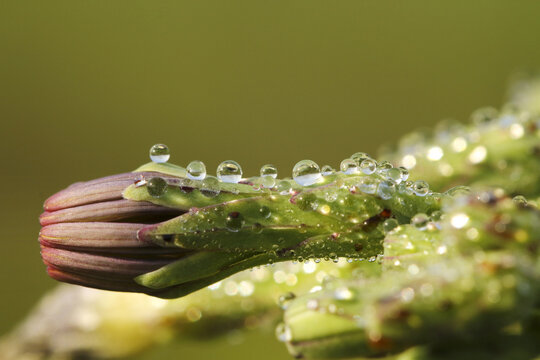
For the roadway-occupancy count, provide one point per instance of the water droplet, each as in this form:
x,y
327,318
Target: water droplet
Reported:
x,y
386,190
394,175
268,181
265,212
420,188
368,166
405,188
285,300
520,200
327,170
229,171
384,165
359,157
234,221
159,153
436,215
284,187
196,170
404,173
258,228
283,333
210,186
269,170
420,221
306,173
368,185
458,191
389,225
349,167
156,187
483,116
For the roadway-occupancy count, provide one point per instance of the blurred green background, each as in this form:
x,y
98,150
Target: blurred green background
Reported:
x,y
86,87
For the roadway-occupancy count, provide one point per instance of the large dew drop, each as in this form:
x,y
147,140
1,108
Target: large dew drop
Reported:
x,y
159,153
269,170
229,171
196,170
306,172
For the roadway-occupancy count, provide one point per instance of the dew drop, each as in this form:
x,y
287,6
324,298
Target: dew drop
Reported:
x,y
404,173
265,212
234,221
327,170
386,190
258,228
458,191
359,157
285,300
283,333
483,116
229,171
394,175
306,173
368,185
268,181
368,166
389,225
420,188
269,170
437,215
284,187
349,167
159,153
520,200
196,170
384,165
210,187
420,221
156,187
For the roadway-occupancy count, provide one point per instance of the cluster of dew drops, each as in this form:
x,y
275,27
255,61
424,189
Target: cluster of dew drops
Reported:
x,y
304,173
